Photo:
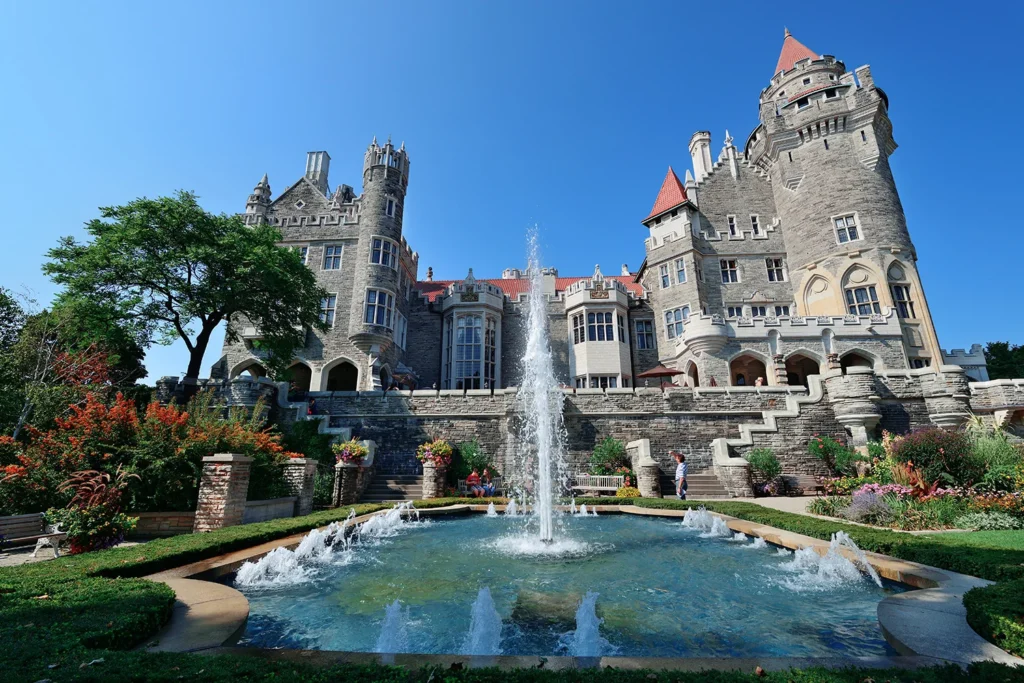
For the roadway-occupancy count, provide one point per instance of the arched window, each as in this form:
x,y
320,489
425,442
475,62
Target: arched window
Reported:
x,y
342,377
745,371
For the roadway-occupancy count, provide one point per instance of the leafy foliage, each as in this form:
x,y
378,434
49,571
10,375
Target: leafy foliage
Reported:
x,y
166,264
836,455
942,456
351,451
764,465
469,456
608,457
438,452
989,521
1005,360
165,445
304,437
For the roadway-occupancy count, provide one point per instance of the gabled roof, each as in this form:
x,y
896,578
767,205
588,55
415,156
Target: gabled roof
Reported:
x,y
513,287
792,52
671,195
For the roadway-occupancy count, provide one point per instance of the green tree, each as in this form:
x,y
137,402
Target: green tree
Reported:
x,y
1005,360
176,270
12,319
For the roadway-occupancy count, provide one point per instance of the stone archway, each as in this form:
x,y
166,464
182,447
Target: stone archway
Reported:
x,y
798,367
251,367
855,359
692,375
344,376
745,369
299,377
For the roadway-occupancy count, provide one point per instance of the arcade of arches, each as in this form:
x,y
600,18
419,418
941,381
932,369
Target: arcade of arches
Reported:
x,y
745,369
799,367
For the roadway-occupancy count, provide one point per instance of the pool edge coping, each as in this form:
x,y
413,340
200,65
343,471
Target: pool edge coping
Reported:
x,y
929,623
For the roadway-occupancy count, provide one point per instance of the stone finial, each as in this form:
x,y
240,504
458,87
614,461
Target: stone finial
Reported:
x,y
688,177
430,274
598,277
787,34
625,270
374,143
728,138
469,278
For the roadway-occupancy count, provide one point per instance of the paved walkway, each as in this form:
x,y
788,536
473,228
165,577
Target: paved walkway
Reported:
x,y
797,504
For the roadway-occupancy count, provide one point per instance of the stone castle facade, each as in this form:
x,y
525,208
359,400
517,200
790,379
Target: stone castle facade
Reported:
x,y
773,262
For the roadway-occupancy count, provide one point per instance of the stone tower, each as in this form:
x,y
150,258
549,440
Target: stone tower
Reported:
x,y
375,271
824,142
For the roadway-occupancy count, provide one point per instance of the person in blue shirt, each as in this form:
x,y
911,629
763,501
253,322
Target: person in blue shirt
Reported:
x,y
680,474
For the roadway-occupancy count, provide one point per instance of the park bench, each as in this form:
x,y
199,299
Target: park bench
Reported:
x,y
597,482
803,485
19,530
498,487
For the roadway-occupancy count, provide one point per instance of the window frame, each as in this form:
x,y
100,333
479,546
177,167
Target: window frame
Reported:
x,y
329,309
390,207
675,319
755,225
302,250
854,305
845,228
600,330
734,311
731,222
760,311
904,305
782,310
644,334
388,307
728,271
680,271
384,254
335,258
664,276
776,268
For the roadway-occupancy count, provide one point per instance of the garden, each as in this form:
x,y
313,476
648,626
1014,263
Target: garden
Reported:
x,y
930,479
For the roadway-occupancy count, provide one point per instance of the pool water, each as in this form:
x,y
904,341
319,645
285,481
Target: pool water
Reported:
x,y
664,591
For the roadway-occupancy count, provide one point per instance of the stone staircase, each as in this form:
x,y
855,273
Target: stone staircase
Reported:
x,y
700,485
385,488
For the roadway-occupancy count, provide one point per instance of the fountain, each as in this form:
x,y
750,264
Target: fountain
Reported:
x,y
484,636
491,510
394,635
512,509
586,640
541,406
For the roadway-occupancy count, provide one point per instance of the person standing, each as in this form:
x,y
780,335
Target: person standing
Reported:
x,y
680,474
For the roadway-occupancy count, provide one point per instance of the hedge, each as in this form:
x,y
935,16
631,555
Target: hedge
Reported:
x,y
997,613
70,611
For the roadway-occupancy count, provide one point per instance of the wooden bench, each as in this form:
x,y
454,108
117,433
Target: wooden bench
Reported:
x,y
597,482
803,485
498,487
19,530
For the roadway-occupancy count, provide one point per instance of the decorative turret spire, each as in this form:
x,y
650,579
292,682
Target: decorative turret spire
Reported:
x,y
671,195
259,200
792,52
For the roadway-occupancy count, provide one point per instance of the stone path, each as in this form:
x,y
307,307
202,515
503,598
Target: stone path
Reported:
x,y
14,557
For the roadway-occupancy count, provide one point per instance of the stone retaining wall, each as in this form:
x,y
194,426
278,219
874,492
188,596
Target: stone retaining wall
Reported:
x,y
163,523
265,510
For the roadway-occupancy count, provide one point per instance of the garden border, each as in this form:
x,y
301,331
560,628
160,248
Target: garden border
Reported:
x,y
929,624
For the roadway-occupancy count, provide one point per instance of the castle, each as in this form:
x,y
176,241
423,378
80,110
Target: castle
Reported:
x,y
770,263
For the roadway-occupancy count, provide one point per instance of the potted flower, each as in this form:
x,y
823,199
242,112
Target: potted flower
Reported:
x,y
437,453
349,452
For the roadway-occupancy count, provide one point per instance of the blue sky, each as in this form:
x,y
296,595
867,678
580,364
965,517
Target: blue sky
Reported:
x,y
560,114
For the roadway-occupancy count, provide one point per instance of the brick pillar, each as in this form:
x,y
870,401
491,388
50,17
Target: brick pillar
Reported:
x,y
299,474
346,484
222,491
433,480
779,368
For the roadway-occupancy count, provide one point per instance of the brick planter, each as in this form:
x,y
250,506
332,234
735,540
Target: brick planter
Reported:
x,y
299,474
433,480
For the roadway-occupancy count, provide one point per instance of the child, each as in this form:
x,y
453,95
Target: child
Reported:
x,y
680,474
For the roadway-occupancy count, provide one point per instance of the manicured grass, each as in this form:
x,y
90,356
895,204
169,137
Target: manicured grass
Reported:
x,y
76,609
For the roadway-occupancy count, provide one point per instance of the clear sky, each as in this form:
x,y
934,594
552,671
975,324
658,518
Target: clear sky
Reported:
x,y
561,114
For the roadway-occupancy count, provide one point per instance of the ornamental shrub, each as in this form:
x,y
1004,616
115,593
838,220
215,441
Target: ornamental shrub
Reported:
x,y
350,452
942,456
829,506
627,492
840,459
304,437
764,466
870,508
609,456
93,519
470,455
988,521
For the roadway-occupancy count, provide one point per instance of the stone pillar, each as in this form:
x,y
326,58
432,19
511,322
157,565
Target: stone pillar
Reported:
x,y
648,472
855,403
299,474
732,472
222,491
832,362
433,480
346,484
779,366
947,396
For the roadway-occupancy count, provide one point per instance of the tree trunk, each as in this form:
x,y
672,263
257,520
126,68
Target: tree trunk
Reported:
x,y
195,361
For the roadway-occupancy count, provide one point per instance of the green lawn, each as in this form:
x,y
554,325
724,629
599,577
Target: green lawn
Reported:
x,y
1010,540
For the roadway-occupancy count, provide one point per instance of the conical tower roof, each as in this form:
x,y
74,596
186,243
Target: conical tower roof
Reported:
x,y
792,52
671,195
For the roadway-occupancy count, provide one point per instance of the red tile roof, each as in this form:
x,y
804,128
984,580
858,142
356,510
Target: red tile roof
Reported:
x,y
792,52
671,195
512,288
